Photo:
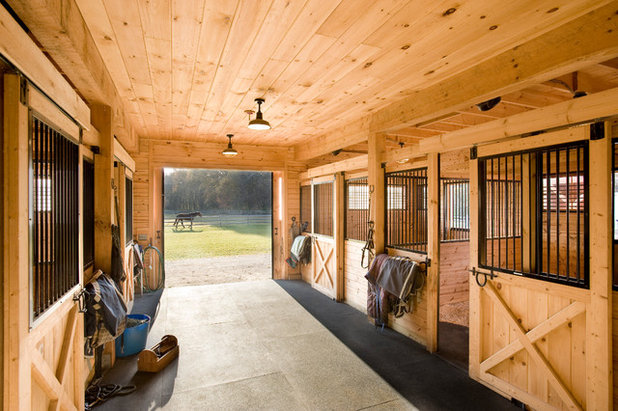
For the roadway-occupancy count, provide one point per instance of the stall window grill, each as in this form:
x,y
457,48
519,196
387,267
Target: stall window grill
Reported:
x,y
406,210
455,209
357,208
54,216
88,212
533,216
128,216
323,208
305,207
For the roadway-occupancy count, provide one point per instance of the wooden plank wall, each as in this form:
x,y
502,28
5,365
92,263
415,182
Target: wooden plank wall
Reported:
x,y
413,324
2,232
454,273
355,283
615,340
292,187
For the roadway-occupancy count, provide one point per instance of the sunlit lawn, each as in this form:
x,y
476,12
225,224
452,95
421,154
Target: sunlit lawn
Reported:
x,y
210,241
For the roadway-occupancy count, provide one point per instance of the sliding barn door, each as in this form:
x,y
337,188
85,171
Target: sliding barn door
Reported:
x,y
44,329
531,309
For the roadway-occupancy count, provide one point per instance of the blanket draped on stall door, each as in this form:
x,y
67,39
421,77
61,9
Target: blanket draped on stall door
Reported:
x,y
392,280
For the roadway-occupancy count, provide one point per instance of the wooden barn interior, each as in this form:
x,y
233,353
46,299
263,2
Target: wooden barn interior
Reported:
x,y
478,137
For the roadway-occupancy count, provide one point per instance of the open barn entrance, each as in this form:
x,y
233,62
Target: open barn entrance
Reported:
x,y
217,226
454,258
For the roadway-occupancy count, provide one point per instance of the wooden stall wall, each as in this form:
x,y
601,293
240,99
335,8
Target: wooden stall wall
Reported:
x,y
2,68
454,286
454,256
413,324
355,284
615,341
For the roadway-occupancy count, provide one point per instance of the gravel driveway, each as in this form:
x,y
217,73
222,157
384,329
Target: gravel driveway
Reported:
x,y
218,270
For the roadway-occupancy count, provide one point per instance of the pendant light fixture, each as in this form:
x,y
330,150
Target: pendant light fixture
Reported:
x,y
229,151
258,123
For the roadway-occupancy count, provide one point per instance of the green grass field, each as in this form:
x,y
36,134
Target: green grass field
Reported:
x,y
209,241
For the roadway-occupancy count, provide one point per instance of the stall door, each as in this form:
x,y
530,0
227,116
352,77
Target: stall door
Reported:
x,y
324,273
44,329
529,298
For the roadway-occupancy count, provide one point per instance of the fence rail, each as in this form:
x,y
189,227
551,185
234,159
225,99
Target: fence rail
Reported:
x,y
220,220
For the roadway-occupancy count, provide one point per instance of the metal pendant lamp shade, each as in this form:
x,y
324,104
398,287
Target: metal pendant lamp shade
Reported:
x,y
258,123
229,151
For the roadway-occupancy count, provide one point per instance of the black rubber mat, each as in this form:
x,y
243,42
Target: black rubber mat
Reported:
x,y
428,382
147,303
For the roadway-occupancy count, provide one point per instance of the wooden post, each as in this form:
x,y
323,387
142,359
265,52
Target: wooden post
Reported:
x,y
475,320
433,249
103,193
17,383
599,383
339,236
376,183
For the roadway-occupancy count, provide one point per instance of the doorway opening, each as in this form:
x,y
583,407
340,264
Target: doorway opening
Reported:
x,y
217,226
453,333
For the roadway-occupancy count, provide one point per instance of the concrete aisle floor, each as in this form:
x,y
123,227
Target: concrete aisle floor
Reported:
x,y
249,346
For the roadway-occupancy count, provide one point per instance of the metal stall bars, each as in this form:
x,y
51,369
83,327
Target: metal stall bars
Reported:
x,y
455,209
323,208
305,208
357,208
406,210
550,241
54,215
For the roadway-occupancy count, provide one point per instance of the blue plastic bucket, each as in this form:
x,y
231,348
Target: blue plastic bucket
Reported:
x,y
133,340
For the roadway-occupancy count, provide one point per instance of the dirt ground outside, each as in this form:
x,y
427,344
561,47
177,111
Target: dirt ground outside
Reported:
x,y
218,270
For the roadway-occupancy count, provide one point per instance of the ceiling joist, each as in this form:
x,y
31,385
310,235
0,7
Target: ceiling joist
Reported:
x,y
589,39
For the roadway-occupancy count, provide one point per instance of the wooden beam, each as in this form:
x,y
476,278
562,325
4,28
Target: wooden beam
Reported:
x,y
345,136
589,108
476,314
23,53
103,193
376,189
167,153
339,236
599,383
433,249
17,384
121,154
60,28
589,39
350,164
551,138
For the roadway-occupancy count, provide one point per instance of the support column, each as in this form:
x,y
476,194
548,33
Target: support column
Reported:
x,y
474,353
103,193
17,377
339,236
433,249
376,187
599,384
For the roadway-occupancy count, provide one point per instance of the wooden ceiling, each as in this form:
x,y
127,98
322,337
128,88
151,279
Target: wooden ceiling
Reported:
x,y
188,69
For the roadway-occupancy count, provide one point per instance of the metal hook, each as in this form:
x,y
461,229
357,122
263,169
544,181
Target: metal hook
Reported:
x,y
476,274
80,298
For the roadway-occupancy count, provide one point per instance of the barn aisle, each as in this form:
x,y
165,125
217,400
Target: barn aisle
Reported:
x,y
249,346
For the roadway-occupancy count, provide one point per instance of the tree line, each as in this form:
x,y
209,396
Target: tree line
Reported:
x,y
217,190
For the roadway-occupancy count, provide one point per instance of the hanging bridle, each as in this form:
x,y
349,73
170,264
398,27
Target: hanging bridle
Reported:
x,y
369,245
